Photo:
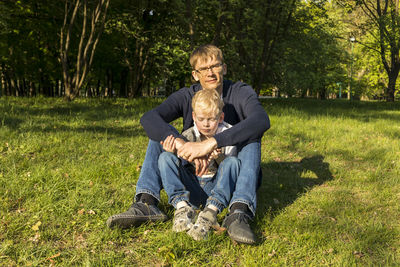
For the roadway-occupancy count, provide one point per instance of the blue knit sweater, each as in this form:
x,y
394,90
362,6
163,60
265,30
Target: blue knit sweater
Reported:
x,y
242,110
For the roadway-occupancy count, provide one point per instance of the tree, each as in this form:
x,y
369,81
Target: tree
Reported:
x,y
28,47
93,20
311,56
383,15
253,34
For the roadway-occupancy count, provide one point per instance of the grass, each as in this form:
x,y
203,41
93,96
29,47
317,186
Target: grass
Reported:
x,y
330,193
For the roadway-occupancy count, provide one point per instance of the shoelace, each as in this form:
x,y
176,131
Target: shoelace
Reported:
x,y
243,218
142,209
204,221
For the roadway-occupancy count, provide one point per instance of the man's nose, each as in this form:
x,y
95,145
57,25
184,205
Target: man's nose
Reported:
x,y
210,71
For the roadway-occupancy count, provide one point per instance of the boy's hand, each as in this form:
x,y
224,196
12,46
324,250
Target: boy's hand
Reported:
x,y
214,154
169,144
201,166
193,150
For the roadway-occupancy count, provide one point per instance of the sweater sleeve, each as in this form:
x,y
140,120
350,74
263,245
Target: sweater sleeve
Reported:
x,y
254,121
156,121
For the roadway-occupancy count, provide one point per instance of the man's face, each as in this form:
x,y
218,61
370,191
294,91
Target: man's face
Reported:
x,y
206,122
210,73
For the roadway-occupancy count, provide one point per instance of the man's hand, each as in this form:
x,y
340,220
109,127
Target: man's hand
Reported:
x,y
179,143
169,144
201,166
193,150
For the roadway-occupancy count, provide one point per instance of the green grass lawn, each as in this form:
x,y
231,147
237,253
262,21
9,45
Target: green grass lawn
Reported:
x,y
330,193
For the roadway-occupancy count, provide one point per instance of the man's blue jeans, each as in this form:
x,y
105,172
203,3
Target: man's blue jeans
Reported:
x,y
246,185
181,184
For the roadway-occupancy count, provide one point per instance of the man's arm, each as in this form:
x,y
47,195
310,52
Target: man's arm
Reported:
x,y
192,150
254,123
156,121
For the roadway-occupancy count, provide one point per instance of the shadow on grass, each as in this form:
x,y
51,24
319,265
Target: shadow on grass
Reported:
x,y
17,111
284,182
110,131
363,111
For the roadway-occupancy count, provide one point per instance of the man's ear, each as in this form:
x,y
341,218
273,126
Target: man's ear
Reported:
x,y
195,77
221,118
224,69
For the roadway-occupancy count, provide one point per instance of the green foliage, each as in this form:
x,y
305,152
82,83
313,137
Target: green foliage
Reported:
x,y
330,191
378,31
313,61
299,48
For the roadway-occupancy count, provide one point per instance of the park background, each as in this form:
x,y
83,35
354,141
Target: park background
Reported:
x,y
71,145
292,48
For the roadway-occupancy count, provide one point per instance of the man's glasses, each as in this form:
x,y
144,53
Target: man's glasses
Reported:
x,y
214,68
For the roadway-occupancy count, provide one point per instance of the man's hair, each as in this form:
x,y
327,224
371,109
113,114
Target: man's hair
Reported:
x,y
208,100
203,52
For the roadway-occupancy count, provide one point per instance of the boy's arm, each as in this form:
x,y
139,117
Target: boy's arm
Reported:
x,y
201,163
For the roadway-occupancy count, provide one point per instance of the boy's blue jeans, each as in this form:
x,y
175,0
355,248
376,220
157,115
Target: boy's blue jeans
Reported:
x,y
181,184
246,184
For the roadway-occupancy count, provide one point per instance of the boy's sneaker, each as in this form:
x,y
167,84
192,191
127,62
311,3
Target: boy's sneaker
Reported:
x,y
137,214
238,228
183,219
206,219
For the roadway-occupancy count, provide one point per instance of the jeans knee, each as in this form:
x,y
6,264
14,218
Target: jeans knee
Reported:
x,y
231,162
167,158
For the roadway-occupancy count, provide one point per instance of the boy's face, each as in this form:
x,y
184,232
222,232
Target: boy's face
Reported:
x,y
206,122
210,73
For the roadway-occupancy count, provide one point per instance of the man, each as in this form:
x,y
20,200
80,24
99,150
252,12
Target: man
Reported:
x,y
242,110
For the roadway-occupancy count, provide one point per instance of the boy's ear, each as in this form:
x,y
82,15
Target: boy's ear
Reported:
x,y
221,118
193,115
195,77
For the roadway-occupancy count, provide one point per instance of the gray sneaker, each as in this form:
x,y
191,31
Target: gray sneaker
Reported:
x,y
183,219
137,214
204,222
238,228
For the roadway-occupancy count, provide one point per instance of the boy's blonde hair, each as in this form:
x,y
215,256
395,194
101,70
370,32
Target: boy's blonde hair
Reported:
x,y
203,52
209,101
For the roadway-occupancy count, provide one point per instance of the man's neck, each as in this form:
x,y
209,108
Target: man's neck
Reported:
x,y
219,89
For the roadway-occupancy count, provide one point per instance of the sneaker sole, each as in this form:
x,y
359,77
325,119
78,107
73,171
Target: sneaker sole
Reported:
x,y
127,221
241,239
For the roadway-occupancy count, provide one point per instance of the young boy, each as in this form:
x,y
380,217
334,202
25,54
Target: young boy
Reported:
x,y
215,188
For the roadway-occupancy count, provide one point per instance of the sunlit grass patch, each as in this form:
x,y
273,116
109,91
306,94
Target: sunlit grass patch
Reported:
x,y
330,193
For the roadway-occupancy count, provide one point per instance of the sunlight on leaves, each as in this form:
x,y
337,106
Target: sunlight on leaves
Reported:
x,y
36,226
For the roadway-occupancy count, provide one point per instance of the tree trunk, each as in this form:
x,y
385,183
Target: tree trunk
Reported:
x,y
76,71
169,87
98,87
322,93
109,82
217,35
386,15
9,87
124,82
2,80
138,69
391,89
283,14
189,16
32,89
13,87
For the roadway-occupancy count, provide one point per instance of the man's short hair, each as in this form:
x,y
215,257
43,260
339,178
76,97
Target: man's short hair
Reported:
x,y
203,52
208,100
